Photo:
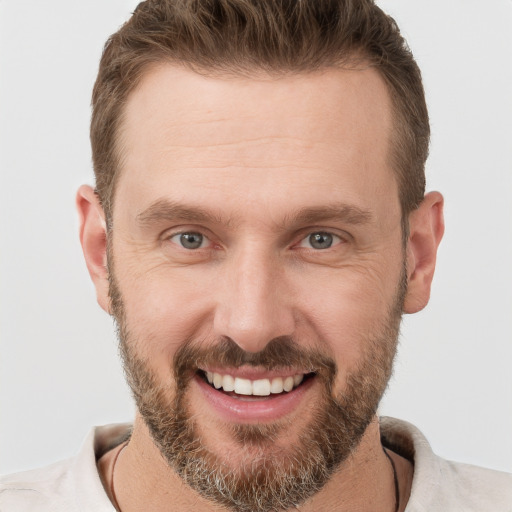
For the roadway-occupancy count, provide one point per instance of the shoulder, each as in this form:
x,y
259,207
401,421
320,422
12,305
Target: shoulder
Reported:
x,y
41,489
457,486
71,485
484,488
443,485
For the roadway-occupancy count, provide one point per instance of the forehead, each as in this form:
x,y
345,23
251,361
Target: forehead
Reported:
x,y
302,131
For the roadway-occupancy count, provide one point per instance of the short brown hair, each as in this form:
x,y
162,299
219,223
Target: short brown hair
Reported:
x,y
278,37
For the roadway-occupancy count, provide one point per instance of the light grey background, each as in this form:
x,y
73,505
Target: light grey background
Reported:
x,y
59,372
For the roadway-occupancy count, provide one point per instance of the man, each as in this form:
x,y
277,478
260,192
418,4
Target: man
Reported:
x,y
258,227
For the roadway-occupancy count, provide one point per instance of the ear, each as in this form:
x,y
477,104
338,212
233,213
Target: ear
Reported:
x,y
93,237
426,228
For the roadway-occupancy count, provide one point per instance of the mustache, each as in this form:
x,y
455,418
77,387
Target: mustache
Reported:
x,y
279,353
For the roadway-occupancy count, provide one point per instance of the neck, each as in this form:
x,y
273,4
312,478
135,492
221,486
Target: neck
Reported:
x,y
364,482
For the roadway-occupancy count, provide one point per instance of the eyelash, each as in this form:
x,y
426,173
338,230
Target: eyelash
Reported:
x,y
336,240
180,234
324,234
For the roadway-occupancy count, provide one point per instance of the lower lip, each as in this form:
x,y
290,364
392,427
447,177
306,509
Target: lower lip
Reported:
x,y
259,410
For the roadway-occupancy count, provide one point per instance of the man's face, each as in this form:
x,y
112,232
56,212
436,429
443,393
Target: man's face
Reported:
x,y
257,273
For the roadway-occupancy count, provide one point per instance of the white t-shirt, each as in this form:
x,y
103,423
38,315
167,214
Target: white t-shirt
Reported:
x,y
74,485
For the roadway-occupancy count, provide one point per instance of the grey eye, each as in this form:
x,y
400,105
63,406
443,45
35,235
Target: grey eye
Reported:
x,y
320,240
191,240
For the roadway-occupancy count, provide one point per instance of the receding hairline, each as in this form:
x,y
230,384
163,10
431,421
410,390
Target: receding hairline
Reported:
x,y
241,36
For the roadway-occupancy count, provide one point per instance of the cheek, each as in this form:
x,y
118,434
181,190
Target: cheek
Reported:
x,y
347,311
162,311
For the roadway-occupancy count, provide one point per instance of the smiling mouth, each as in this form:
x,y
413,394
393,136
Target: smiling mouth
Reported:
x,y
257,388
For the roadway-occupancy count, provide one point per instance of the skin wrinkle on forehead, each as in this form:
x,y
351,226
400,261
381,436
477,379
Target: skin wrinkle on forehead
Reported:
x,y
191,114
249,141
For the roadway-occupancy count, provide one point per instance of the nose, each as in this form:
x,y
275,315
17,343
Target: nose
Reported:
x,y
254,305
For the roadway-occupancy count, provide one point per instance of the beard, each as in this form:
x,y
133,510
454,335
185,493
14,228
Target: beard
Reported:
x,y
267,476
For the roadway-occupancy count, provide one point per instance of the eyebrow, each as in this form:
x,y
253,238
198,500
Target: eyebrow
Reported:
x,y
349,214
164,210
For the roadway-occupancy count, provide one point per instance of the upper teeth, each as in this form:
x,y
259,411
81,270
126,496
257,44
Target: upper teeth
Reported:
x,y
260,387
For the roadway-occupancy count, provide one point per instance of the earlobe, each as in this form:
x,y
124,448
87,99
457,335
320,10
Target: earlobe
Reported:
x,y
93,237
426,228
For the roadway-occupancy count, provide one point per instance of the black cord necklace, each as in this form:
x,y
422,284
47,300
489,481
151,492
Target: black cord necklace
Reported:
x,y
395,478
112,490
